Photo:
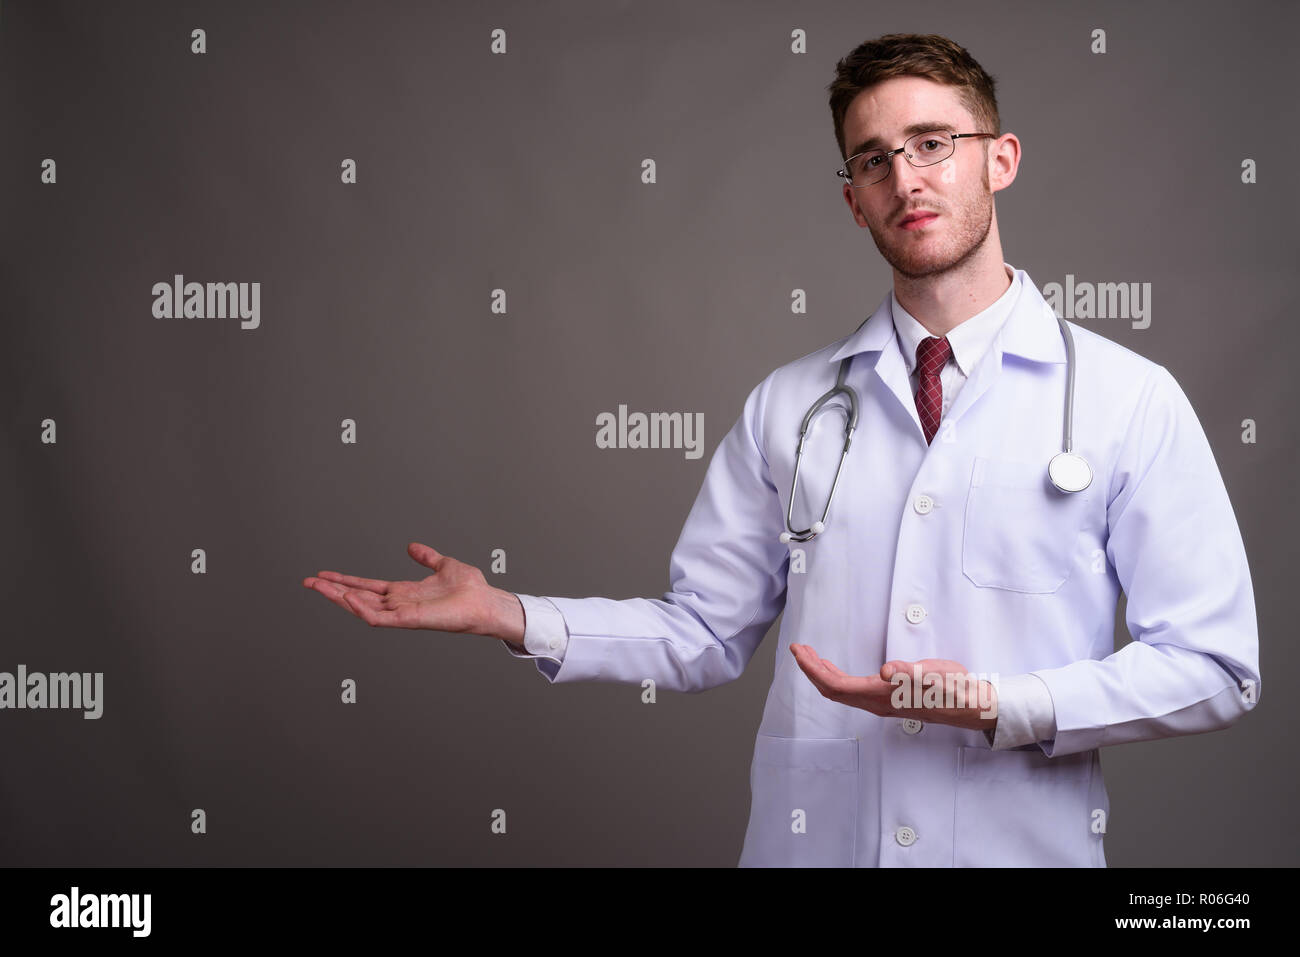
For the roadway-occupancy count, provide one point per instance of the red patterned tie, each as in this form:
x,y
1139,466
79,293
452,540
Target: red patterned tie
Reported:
x,y
931,355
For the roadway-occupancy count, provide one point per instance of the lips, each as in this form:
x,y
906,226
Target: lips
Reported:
x,y
917,219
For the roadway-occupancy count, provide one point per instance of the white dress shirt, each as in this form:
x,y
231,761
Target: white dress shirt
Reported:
x,y
1025,712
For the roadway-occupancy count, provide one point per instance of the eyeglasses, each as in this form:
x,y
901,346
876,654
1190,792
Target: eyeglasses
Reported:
x,y
923,149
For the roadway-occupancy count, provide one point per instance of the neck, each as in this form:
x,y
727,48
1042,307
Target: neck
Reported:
x,y
942,301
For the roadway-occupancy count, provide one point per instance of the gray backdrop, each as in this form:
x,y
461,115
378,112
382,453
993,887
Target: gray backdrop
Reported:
x,y
475,430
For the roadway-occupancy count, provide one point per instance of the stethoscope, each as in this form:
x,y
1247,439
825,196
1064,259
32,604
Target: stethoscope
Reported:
x,y
1069,471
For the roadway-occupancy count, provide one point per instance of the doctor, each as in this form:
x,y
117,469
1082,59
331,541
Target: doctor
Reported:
x,y
946,551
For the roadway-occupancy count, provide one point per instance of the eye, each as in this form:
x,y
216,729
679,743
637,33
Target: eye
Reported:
x,y
930,145
871,162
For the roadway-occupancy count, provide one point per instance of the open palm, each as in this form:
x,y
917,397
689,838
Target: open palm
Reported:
x,y
451,599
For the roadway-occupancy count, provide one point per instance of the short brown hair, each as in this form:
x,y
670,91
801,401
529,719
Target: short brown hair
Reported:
x,y
914,54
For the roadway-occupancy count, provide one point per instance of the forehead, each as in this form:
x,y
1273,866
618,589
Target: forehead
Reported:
x,y
883,115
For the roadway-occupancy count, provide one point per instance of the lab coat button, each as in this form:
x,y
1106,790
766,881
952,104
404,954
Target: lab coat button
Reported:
x,y
915,613
555,643
911,725
905,836
923,504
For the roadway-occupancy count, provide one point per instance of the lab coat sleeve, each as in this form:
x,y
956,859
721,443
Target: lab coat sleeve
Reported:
x,y
1025,713
727,577
544,631
1193,664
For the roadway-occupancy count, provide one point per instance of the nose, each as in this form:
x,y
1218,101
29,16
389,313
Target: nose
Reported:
x,y
906,176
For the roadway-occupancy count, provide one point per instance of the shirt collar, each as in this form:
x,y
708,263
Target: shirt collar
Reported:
x,y
1028,328
969,339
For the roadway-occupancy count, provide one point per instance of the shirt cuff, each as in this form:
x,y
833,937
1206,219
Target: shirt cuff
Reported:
x,y
1026,715
545,633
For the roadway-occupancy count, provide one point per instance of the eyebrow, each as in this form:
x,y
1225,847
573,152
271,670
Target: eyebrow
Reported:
x,y
876,142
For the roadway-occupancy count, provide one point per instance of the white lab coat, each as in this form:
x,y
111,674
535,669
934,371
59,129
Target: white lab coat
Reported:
x,y
962,550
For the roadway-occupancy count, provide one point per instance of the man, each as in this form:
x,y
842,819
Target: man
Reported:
x,y
948,561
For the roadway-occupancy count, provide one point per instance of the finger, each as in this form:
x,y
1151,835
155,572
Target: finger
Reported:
x,y
806,658
816,679
808,653
376,585
358,597
331,591
867,685
426,555
364,607
823,667
832,675
891,668
813,668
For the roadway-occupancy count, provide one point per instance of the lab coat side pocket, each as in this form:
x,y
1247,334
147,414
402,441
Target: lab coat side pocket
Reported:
x,y
1024,809
1020,533
804,804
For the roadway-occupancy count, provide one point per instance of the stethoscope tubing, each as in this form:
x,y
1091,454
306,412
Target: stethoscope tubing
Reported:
x,y
1067,459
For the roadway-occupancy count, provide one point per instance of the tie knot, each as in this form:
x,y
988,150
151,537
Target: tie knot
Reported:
x,y
931,355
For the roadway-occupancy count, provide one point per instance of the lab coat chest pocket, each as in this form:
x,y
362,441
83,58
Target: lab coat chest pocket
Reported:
x,y
1024,809
1021,533
804,808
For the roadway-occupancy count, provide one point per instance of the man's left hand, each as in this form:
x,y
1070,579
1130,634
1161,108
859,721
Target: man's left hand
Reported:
x,y
962,700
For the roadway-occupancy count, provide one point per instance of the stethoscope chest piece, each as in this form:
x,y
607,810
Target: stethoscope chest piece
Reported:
x,y
1069,472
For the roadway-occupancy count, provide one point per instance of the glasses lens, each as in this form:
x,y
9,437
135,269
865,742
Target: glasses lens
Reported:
x,y
867,168
923,149
927,149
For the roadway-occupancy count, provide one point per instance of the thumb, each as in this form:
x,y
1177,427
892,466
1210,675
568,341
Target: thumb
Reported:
x,y
424,554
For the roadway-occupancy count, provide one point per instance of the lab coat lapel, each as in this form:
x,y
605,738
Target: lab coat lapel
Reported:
x,y
878,342
1030,331
982,376
892,370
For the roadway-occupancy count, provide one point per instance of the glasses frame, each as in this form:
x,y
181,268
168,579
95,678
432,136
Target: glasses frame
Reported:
x,y
843,171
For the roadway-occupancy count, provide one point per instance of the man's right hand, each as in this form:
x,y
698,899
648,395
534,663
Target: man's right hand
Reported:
x,y
456,598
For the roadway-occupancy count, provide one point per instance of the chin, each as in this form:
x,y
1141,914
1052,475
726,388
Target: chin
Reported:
x,y
921,262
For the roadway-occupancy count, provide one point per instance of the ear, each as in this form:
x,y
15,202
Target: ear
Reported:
x,y
1004,161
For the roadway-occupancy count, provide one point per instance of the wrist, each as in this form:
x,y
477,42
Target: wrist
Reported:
x,y
988,713
504,618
